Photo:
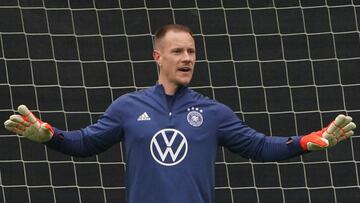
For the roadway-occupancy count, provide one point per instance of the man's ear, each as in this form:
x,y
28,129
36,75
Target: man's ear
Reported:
x,y
156,56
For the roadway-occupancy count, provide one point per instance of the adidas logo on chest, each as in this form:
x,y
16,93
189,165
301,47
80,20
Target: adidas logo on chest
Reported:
x,y
144,117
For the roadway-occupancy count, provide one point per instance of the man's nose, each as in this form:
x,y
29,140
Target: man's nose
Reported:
x,y
186,56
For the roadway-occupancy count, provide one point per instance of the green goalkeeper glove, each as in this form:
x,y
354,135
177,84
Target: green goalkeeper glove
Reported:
x,y
338,130
29,126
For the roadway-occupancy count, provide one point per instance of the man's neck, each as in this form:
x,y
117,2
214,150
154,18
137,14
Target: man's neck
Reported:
x,y
169,88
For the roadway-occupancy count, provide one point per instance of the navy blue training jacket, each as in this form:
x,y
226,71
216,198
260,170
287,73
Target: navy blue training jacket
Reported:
x,y
171,143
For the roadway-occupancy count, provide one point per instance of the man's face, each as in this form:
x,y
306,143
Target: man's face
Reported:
x,y
175,55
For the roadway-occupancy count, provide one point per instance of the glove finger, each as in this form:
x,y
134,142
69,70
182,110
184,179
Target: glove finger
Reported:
x,y
346,136
8,127
348,119
19,119
344,130
23,110
340,129
335,126
341,122
350,126
341,119
9,124
15,130
346,123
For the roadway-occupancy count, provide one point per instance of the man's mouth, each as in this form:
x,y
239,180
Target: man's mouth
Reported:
x,y
184,69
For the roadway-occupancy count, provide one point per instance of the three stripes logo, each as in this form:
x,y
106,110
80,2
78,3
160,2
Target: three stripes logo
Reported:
x,y
144,117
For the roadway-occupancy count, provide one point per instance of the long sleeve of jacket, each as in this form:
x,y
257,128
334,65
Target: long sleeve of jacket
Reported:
x,y
94,138
241,139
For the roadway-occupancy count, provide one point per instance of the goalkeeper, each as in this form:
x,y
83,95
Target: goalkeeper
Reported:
x,y
171,133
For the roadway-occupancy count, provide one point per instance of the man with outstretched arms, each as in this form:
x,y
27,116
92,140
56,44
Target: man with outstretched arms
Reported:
x,y
171,133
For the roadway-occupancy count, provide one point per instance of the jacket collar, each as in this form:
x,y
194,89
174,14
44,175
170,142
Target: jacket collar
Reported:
x,y
159,88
